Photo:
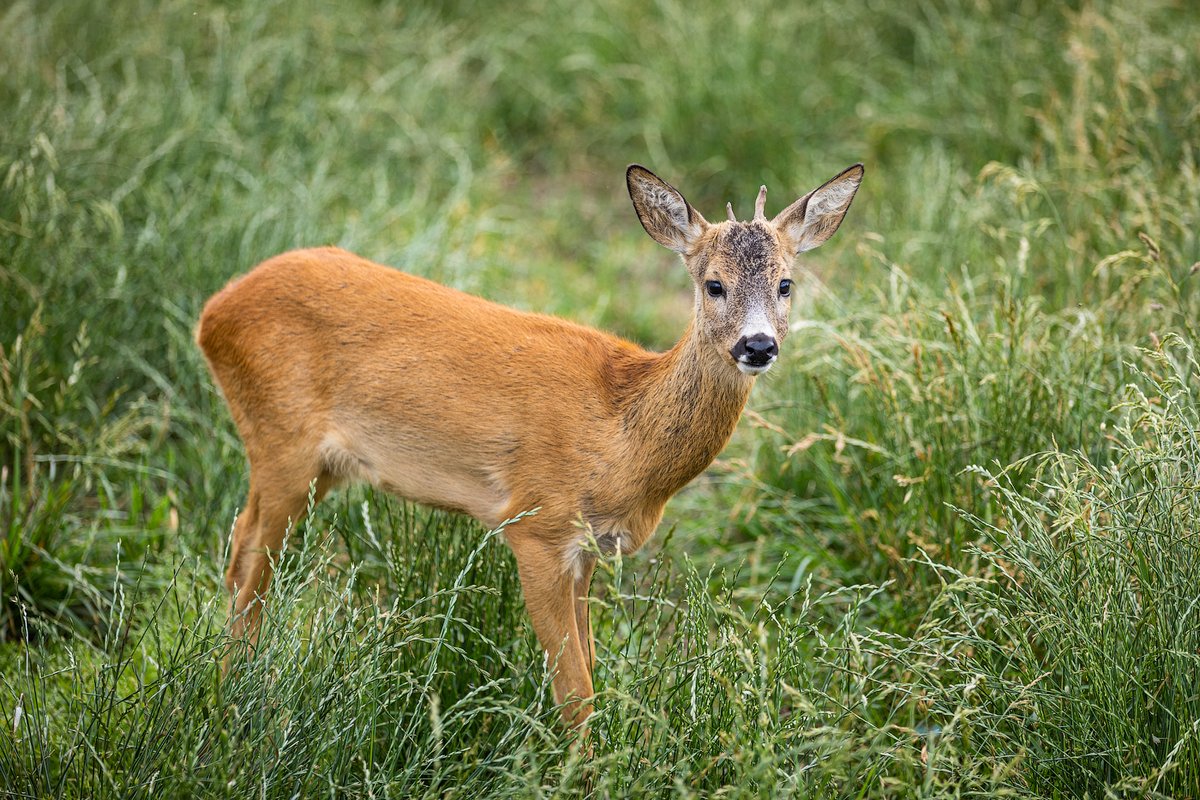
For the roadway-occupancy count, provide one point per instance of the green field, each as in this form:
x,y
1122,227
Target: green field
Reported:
x,y
951,552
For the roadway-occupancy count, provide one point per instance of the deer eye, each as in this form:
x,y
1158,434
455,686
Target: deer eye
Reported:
x,y
785,288
714,288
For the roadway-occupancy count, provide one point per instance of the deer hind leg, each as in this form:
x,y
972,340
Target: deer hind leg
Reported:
x,y
550,599
583,613
275,505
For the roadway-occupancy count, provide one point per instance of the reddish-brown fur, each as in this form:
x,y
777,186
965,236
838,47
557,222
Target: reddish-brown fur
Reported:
x,y
336,369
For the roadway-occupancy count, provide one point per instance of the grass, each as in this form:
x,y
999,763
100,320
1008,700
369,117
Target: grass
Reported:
x,y
951,551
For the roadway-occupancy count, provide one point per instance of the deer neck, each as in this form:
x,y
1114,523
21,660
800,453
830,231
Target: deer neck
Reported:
x,y
682,410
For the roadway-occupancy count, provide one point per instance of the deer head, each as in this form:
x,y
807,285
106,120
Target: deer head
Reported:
x,y
742,270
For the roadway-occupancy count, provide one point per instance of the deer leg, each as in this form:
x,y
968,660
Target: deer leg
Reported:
x,y
272,508
583,613
549,590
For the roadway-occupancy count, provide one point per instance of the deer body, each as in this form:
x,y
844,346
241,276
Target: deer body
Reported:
x,y
533,411
336,369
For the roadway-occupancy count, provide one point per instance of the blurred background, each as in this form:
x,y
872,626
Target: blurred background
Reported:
x,y
951,548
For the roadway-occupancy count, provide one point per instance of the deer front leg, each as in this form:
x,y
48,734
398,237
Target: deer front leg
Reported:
x,y
551,600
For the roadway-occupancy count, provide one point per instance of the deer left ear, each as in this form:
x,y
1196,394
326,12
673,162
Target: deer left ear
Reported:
x,y
667,217
811,220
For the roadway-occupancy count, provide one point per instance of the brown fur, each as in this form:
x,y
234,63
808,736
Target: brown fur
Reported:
x,y
338,369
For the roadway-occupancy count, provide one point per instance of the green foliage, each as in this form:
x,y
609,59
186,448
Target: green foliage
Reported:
x,y
951,552
890,406
1075,646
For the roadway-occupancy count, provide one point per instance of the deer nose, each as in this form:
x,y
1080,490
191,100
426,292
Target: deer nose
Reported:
x,y
756,350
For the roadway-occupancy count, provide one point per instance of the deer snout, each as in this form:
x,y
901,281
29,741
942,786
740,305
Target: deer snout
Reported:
x,y
755,352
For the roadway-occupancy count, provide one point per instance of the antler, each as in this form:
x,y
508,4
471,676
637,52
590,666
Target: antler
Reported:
x,y
760,205
729,211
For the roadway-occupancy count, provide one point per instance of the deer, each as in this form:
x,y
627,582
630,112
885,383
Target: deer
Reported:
x,y
336,369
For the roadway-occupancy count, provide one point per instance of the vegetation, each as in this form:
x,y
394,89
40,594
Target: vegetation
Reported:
x,y
952,550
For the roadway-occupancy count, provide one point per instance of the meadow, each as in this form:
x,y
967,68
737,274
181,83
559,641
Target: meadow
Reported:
x,y
951,552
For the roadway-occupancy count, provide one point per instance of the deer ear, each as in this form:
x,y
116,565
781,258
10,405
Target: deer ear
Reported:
x,y
811,220
667,217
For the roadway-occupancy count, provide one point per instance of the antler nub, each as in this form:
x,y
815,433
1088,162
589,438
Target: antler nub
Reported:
x,y
729,211
760,205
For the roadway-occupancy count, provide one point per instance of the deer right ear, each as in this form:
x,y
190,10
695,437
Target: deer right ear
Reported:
x,y
811,220
667,217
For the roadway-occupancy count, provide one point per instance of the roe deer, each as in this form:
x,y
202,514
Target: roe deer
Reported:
x,y
338,369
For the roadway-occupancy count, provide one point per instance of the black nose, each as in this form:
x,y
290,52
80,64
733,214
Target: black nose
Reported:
x,y
756,350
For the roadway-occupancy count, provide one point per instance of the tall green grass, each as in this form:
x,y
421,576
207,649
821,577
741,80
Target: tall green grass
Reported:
x,y
950,552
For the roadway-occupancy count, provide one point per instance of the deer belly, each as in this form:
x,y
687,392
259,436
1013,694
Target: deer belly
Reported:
x,y
422,474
